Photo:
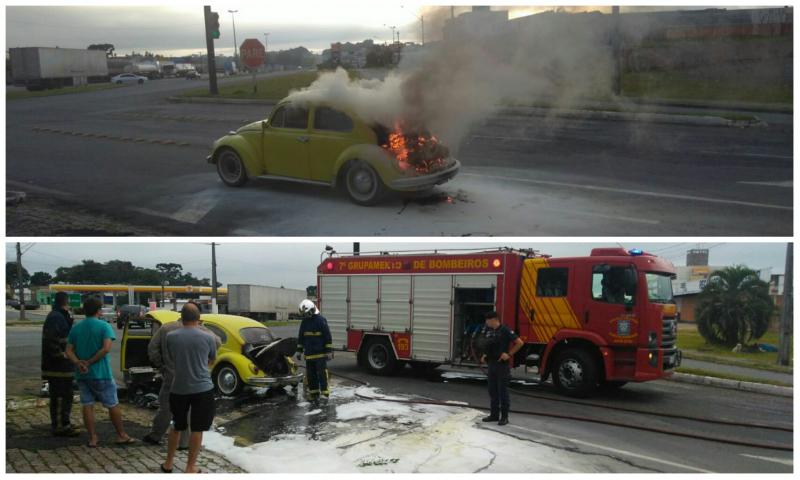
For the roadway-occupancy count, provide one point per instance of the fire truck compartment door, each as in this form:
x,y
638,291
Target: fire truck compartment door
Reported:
x,y
364,302
476,281
395,307
333,306
432,317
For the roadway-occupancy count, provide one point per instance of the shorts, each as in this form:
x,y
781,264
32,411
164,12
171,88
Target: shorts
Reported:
x,y
103,391
199,407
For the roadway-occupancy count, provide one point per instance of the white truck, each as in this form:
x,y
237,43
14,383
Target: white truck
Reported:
x,y
261,302
39,68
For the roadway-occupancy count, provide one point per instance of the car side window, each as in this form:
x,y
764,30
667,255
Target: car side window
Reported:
x,y
289,116
218,332
552,282
326,118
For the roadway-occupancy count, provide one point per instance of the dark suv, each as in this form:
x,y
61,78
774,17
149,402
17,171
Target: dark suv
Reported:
x,y
132,313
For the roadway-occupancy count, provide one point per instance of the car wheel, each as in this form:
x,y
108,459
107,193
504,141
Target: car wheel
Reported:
x,y
119,82
363,184
379,357
227,380
231,168
575,373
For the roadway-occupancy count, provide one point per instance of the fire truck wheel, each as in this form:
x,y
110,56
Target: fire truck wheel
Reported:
x,y
227,380
231,168
575,373
363,184
379,357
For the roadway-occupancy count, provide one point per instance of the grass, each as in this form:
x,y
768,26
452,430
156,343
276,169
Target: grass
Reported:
x,y
19,94
273,88
680,86
695,347
728,376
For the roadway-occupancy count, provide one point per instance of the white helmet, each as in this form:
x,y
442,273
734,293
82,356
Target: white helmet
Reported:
x,y
307,308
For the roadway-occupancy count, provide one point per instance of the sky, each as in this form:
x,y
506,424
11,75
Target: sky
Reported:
x,y
293,265
177,29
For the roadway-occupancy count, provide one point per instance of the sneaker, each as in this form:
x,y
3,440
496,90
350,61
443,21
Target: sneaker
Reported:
x,y
152,441
490,418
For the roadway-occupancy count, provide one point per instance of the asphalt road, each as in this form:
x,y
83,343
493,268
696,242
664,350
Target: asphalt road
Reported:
x,y
531,176
636,450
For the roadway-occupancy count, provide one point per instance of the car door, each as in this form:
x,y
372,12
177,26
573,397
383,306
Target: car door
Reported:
x,y
286,140
331,133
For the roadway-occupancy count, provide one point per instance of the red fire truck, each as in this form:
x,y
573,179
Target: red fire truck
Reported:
x,y
601,320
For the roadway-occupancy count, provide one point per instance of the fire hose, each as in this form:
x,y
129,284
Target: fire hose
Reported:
x,y
695,436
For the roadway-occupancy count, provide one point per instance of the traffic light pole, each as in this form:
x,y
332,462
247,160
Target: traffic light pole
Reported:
x,y
212,64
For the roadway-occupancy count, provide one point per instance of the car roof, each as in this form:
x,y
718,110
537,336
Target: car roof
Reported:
x,y
234,323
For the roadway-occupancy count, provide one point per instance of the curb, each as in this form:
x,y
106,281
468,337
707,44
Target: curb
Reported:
x,y
221,101
698,120
733,384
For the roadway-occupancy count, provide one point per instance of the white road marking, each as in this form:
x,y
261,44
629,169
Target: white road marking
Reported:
x,y
196,209
522,139
33,188
615,450
782,461
644,193
784,183
745,154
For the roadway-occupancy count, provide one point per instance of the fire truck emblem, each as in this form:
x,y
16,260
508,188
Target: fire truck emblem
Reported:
x,y
402,344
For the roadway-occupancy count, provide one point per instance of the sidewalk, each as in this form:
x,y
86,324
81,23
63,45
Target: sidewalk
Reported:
x,y
753,373
31,449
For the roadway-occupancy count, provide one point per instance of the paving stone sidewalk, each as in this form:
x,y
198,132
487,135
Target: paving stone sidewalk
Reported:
x,y
31,449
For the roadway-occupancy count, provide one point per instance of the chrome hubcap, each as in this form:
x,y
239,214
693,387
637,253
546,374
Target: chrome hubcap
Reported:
x,y
570,373
362,181
230,167
226,380
377,356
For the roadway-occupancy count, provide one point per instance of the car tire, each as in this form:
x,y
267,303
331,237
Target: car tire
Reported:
x,y
363,184
575,373
119,82
227,380
379,357
230,168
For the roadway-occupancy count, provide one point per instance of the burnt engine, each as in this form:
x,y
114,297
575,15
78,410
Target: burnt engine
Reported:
x,y
271,356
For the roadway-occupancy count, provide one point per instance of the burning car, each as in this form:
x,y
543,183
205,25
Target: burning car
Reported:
x,y
249,354
321,144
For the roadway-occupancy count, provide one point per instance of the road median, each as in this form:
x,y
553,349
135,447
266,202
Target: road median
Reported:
x,y
732,384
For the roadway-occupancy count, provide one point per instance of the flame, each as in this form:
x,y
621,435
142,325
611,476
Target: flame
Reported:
x,y
416,152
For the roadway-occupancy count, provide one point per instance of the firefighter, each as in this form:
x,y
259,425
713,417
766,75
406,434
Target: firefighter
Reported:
x,y
314,340
500,345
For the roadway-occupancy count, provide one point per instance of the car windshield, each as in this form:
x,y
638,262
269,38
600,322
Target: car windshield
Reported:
x,y
256,335
659,287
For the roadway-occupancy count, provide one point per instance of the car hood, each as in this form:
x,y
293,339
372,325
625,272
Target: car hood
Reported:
x,y
250,127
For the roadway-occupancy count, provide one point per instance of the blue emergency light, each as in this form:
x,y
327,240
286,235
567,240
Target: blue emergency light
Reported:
x,y
635,252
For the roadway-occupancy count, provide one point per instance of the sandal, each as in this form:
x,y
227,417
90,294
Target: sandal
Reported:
x,y
129,441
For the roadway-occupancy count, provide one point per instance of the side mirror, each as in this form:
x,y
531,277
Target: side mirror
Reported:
x,y
264,124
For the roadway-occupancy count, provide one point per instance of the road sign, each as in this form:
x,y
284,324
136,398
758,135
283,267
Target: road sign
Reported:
x,y
252,52
75,300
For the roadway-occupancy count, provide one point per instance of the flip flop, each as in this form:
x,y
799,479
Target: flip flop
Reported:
x,y
129,441
91,446
164,469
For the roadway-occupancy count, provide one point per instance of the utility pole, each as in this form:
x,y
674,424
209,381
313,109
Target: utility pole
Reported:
x,y
212,23
214,278
785,336
19,280
266,49
616,46
235,48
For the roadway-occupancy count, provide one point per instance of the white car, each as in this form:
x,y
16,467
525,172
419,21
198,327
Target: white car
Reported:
x,y
128,78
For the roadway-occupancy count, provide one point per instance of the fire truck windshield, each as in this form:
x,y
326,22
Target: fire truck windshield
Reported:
x,y
659,287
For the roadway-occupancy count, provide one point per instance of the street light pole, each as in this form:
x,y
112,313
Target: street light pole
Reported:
x,y
785,335
19,280
421,19
235,47
213,278
266,64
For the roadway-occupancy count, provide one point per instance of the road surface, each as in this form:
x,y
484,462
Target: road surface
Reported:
x,y
132,154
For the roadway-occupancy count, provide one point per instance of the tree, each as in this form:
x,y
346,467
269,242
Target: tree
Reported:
x,y
11,275
41,279
106,47
171,272
734,307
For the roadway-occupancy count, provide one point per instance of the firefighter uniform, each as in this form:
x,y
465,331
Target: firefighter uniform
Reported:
x,y
497,341
314,341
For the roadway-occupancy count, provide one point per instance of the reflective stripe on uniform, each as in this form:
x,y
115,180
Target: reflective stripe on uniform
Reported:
x,y
328,345
315,356
58,374
312,334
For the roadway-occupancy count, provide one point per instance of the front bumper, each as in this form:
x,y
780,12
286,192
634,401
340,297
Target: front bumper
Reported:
x,y
423,182
210,159
275,381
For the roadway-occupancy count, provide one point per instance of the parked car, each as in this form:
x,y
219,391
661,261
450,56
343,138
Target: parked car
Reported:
x,y
321,144
250,354
128,78
13,303
130,313
28,305
193,75
109,314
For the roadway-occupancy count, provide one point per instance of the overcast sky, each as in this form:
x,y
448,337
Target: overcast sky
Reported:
x,y
294,265
177,29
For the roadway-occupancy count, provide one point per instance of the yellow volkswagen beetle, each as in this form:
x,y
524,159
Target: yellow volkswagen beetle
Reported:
x,y
326,145
249,354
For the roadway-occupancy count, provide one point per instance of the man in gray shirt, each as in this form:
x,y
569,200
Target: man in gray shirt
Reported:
x,y
192,352
159,358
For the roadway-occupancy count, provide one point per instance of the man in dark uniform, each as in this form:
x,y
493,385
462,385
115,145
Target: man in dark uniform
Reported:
x,y
314,340
500,345
57,369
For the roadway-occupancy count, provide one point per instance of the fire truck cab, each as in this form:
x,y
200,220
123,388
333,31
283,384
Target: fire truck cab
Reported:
x,y
601,320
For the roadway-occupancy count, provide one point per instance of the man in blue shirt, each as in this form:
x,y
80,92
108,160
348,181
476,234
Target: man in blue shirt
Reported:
x,y
88,345
500,345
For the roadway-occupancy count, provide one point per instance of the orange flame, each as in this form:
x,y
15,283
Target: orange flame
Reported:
x,y
418,152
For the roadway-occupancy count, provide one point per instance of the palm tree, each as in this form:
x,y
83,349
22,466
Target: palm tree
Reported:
x,y
734,307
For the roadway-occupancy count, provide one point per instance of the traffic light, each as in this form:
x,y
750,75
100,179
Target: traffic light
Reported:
x,y
213,25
